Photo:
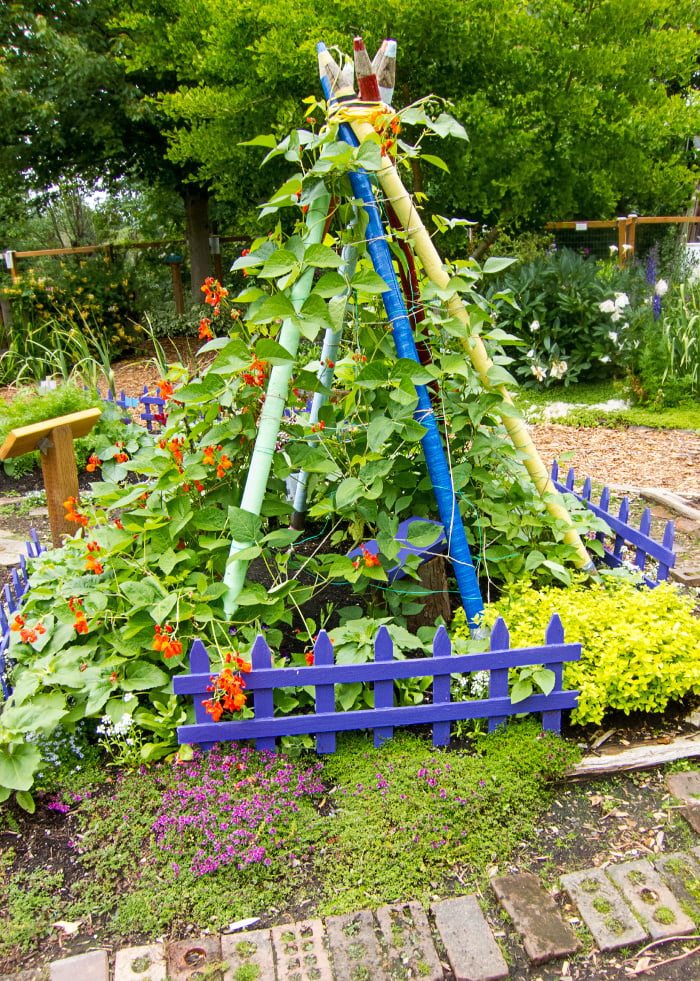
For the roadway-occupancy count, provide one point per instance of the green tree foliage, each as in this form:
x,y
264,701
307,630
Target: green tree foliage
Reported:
x,y
574,109
69,112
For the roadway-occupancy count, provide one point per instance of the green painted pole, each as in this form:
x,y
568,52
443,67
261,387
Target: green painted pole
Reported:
x,y
271,414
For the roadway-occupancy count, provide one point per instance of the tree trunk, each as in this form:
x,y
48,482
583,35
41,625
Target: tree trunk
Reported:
x,y
196,200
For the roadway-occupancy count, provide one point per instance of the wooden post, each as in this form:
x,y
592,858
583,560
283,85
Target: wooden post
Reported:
x,y
60,480
621,240
215,249
54,439
436,600
11,263
175,263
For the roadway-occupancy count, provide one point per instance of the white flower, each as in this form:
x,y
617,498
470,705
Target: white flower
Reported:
x,y
558,369
613,249
605,358
539,372
621,300
535,325
129,696
616,316
607,306
612,334
661,288
627,247
531,353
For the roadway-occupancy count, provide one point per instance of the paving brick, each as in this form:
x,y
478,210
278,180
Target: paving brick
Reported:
x,y
140,964
254,948
300,952
685,786
651,899
603,910
536,916
682,873
355,951
471,947
91,966
407,935
186,959
691,812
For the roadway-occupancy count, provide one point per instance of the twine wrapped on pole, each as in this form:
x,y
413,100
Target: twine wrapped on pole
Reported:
x,y
400,199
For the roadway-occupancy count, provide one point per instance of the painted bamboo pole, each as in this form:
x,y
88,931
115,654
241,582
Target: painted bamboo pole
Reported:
x,y
329,351
435,456
271,414
342,108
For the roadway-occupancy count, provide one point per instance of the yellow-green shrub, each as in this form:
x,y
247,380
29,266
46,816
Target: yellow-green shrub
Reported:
x,y
640,647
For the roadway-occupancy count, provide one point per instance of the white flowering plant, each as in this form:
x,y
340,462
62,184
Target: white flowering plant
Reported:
x,y
577,318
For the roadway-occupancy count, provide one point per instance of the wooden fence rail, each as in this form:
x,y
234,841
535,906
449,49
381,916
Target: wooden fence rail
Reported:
x,y
326,721
624,534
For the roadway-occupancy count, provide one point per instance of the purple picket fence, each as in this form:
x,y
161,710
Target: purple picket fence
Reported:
x,y
10,602
326,721
623,534
153,409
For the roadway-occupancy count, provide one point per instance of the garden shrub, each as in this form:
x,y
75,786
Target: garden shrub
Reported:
x,y
640,647
669,368
575,318
92,297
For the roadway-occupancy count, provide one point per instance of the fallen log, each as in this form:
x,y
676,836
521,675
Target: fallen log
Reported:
x,y
674,502
637,757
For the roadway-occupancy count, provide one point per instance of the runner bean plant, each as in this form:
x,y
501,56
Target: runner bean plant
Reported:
x,y
112,613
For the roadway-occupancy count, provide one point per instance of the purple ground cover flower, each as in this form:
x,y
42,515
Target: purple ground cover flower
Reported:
x,y
232,808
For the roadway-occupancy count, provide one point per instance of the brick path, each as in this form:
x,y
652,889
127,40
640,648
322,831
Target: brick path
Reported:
x,y
624,904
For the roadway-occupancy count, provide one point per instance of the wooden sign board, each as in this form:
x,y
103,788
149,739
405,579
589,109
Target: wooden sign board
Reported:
x,y
24,439
54,439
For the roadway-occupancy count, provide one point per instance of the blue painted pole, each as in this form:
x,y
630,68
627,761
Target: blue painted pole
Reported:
x,y
431,442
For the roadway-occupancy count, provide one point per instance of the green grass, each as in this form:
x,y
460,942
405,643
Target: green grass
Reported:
x,y
378,826
533,401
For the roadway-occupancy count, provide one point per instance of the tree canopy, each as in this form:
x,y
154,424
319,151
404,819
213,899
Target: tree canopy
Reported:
x,y
574,108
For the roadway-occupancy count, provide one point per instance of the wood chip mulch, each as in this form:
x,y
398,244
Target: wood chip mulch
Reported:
x,y
635,457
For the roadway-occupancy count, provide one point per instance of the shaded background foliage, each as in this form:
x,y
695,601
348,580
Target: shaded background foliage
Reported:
x,y
573,109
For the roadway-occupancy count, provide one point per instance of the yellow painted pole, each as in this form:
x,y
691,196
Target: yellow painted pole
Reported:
x,y
422,243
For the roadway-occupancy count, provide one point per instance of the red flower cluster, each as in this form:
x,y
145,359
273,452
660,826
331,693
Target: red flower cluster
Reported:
x,y
166,389
164,641
92,563
93,463
76,607
214,293
256,374
309,657
72,513
370,559
318,427
205,332
227,689
122,456
27,634
209,460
